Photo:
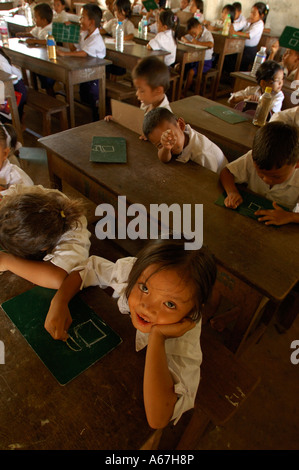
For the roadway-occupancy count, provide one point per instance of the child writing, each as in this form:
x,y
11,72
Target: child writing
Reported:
x,y
240,21
269,74
163,290
253,33
166,39
271,169
198,35
44,234
18,84
43,16
173,137
123,12
91,44
9,172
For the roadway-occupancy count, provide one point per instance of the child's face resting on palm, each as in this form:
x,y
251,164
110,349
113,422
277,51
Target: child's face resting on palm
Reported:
x,y
169,135
160,298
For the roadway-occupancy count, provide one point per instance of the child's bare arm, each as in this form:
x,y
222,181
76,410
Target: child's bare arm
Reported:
x,y
42,273
72,53
40,42
233,199
277,216
167,142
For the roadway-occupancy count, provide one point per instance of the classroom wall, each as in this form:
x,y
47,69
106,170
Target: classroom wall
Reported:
x,y
282,12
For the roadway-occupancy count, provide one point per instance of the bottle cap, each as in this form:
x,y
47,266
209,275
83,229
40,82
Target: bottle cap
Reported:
x,y
263,49
268,89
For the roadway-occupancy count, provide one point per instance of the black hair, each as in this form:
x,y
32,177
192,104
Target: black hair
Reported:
x,y
192,23
155,117
199,4
125,6
154,71
194,266
94,13
170,19
231,11
237,6
267,70
274,145
263,10
44,11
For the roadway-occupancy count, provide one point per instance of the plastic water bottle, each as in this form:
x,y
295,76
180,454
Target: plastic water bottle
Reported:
x,y
119,42
226,25
28,14
140,26
263,108
4,33
51,47
144,28
259,59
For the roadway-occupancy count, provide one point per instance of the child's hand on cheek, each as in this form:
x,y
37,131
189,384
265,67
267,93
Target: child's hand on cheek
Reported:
x,y
173,330
168,139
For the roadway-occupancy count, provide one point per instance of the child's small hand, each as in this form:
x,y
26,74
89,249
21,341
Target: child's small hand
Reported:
x,y
58,321
233,200
253,97
142,137
174,330
108,118
2,261
275,47
168,139
60,53
276,216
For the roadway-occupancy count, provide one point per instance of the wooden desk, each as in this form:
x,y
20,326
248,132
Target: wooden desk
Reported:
x,y
9,90
234,139
245,79
131,55
267,40
69,70
226,45
17,24
250,268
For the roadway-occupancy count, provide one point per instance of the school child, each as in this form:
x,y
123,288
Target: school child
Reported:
x,y
10,173
123,12
290,61
253,33
18,84
173,137
166,39
197,34
196,7
163,290
239,21
43,16
269,74
91,44
44,234
108,13
270,169
185,6
61,15
226,10
288,116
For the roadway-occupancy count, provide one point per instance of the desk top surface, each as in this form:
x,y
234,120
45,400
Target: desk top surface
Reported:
x,y
251,78
139,51
268,260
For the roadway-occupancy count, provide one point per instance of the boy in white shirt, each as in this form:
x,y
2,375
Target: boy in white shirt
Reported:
x,y
91,44
173,137
271,169
43,16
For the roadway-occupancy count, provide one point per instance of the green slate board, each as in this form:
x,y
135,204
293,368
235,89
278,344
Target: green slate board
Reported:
x,y
226,114
290,38
108,150
251,203
150,5
66,33
90,337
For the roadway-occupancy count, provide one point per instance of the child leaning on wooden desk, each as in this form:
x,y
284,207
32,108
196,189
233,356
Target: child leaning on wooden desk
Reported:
x,y
43,16
270,169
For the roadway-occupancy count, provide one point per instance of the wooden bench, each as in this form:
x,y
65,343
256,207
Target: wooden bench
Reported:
x,y
48,106
211,75
118,91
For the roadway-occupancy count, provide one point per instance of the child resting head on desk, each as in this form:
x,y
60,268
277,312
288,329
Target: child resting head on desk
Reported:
x,y
163,290
269,74
173,137
10,173
44,234
270,169
43,16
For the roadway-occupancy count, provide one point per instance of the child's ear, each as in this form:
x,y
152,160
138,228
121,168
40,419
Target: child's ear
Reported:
x,y
263,84
6,153
181,123
159,90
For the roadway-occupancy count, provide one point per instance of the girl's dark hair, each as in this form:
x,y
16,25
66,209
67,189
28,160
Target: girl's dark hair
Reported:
x,y
263,10
231,11
169,19
267,70
274,145
196,267
125,6
32,223
94,13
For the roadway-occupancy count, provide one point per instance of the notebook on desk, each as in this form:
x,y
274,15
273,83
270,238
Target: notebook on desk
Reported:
x,y
108,150
226,114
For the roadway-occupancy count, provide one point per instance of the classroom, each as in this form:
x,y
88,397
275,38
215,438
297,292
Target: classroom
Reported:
x,y
149,202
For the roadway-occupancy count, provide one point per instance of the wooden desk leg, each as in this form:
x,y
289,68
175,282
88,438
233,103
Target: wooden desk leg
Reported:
x,y
199,77
69,90
55,181
238,61
181,80
219,67
10,94
102,96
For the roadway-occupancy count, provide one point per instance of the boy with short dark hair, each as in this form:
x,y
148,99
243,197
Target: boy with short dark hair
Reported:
x,y
173,137
43,16
270,169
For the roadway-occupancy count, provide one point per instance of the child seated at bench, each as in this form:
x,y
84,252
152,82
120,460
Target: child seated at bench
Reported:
x,y
270,169
173,137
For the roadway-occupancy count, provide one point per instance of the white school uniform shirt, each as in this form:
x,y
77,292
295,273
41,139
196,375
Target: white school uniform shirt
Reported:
x,y
164,104
255,31
72,248
183,354
41,33
94,45
256,90
11,69
202,151
206,36
110,27
11,174
286,193
240,23
165,41
288,116
64,16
